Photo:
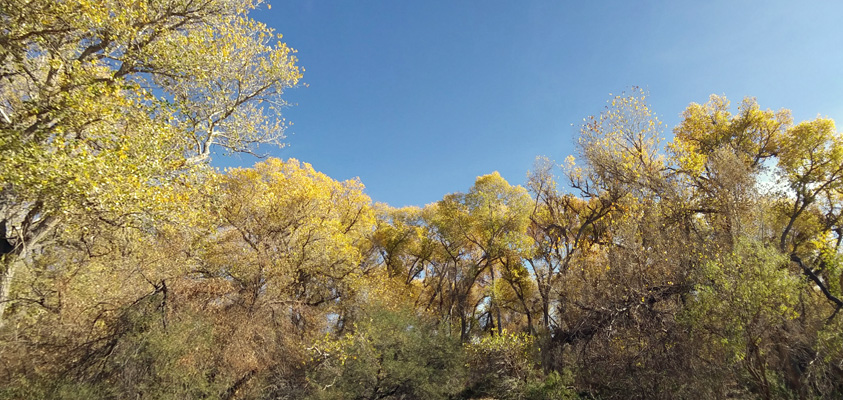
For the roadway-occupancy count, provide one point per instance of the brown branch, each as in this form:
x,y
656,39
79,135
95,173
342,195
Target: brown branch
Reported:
x,y
813,277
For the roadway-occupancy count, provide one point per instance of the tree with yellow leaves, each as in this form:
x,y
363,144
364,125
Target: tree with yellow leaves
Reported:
x,y
105,103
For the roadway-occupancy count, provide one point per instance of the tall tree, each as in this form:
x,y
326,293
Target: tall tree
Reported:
x,y
105,103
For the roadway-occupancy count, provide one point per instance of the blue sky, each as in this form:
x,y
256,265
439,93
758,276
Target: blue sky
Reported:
x,y
418,98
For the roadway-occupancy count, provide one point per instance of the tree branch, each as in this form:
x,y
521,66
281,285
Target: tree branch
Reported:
x,y
813,277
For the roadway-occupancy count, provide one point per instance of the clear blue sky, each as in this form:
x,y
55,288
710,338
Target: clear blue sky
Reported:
x,y
418,98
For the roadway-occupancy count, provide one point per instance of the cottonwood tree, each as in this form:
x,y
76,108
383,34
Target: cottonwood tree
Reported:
x,y
218,306
722,157
287,252
105,103
483,238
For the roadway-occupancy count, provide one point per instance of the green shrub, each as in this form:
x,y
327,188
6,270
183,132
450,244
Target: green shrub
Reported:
x,y
390,355
554,386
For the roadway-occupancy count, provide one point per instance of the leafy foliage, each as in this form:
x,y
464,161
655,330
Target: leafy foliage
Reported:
x,y
389,355
708,266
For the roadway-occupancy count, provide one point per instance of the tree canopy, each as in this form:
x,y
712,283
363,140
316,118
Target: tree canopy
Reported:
x,y
702,264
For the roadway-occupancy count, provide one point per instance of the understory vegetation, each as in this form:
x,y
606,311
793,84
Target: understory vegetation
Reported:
x,y
699,264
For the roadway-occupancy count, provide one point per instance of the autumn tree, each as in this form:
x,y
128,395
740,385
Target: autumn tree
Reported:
x,y
725,158
219,306
286,250
483,237
403,242
106,103
102,299
563,227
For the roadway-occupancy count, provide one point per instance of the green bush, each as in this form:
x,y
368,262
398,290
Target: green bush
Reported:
x,y
554,386
506,367
500,365
390,355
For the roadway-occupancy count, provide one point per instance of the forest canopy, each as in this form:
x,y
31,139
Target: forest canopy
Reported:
x,y
702,262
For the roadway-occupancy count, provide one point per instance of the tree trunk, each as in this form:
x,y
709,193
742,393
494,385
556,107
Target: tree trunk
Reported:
x,y
11,263
22,230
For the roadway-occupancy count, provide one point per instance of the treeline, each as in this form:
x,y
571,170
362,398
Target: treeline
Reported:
x,y
704,267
